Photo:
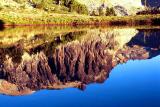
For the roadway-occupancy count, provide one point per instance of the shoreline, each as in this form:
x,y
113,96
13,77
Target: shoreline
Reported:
x,y
80,20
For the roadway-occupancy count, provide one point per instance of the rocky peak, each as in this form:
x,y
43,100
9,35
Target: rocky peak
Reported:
x,y
74,64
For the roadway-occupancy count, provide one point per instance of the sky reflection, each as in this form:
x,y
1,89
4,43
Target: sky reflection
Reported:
x,y
135,83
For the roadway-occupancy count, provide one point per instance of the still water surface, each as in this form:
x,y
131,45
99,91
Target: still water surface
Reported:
x,y
132,79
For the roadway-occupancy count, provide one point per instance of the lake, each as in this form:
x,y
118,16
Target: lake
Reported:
x,y
80,66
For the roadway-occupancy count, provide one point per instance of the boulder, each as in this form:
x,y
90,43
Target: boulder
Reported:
x,y
120,11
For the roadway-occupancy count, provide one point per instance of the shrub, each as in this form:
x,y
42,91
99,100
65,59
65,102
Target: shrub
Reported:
x,y
60,9
62,2
20,1
110,12
65,2
1,7
41,3
77,7
94,13
102,11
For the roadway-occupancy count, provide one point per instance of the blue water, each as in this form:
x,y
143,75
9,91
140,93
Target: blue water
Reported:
x,y
134,84
152,3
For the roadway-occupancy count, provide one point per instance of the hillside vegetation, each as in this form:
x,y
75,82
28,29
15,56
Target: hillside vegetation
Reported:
x,y
56,6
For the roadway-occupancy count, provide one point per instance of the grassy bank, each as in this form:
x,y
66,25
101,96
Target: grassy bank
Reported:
x,y
35,17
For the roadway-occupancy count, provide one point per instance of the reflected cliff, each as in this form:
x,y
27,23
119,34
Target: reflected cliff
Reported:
x,y
70,59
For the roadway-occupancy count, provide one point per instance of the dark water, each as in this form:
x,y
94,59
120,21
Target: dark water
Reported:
x,y
152,3
126,60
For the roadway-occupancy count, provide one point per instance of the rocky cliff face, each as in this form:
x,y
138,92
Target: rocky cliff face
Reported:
x,y
128,7
131,6
75,64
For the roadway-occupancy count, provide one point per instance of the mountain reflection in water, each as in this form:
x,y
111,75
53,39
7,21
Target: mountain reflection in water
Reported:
x,y
70,59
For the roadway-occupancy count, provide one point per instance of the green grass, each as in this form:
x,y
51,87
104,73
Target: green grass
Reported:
x,y
37,16
42,17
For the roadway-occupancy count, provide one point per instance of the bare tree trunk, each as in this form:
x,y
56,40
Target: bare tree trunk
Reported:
x,y
59,2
